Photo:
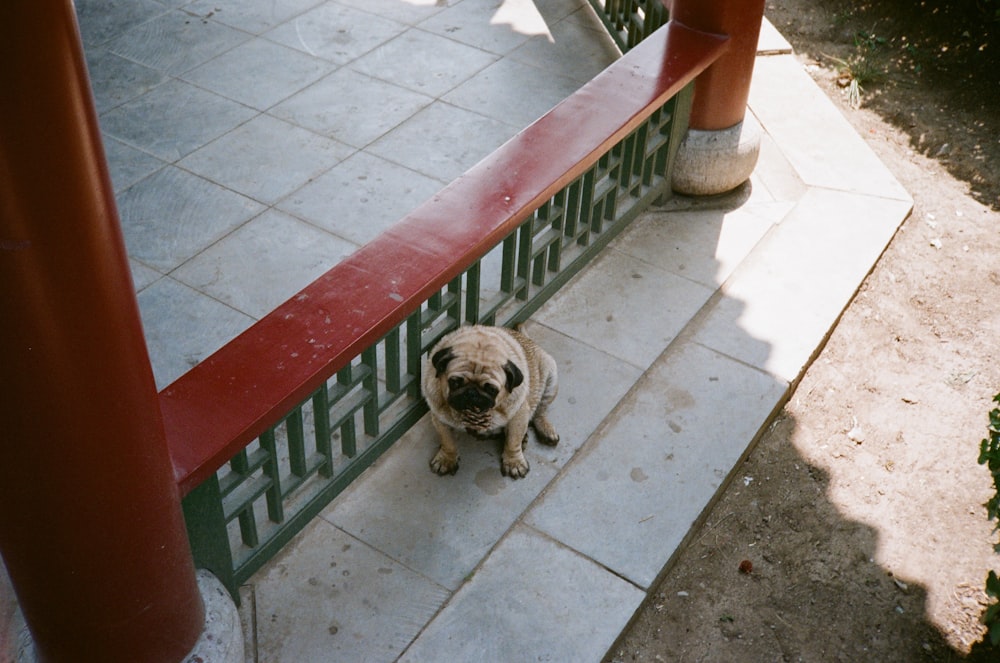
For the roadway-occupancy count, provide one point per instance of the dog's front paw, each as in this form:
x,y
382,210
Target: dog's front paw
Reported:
x,y
545,431
444,463
515,467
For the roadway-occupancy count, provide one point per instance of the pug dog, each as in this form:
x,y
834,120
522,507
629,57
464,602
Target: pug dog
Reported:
x,y
487,381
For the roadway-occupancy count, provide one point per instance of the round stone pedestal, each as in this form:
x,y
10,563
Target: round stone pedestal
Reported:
x,y
220,642
222,639
713,162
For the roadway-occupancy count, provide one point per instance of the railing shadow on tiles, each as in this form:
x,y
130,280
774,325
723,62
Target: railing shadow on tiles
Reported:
x,y
268,430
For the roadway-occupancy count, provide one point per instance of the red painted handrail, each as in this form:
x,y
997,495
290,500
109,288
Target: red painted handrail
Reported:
x,y
229,399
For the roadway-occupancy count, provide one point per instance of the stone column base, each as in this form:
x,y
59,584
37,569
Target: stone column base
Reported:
x,y
713,162
220,642
222,639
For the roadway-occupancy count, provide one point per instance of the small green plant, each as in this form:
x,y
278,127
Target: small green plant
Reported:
x,y
866,65
989,455
868,42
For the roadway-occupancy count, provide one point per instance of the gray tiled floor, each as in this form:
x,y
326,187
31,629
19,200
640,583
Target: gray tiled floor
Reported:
x,y
442,141
173,215
492,26
252,17
341,114
563,607
175,315
287,249
424,62
353,591
253,144
243,161
482,92
236,73
176,41
613,507
150,122
401,520
335,32
356,188
634,334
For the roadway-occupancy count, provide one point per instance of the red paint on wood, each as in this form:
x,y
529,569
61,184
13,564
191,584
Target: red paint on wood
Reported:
x,y
91,528
225,402
721,93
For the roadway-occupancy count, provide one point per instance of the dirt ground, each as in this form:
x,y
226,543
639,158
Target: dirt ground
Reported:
x,y
861,507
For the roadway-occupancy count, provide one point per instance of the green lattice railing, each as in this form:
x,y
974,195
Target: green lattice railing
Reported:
x,y
630,21
244,513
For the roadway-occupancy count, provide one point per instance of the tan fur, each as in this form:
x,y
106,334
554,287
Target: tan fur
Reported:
x,y
477,356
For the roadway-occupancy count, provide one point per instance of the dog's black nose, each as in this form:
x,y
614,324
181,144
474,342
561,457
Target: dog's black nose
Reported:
x,y
470,399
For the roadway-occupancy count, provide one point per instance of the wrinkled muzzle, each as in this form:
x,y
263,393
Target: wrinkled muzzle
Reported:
x,y
470,399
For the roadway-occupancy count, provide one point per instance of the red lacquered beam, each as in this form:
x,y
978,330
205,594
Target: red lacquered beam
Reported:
x,y
230,398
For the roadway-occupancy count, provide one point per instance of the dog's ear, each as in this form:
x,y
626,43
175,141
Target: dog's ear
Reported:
x,y
441,358
514,375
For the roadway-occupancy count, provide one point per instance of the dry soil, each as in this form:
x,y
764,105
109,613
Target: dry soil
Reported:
x,y
859,514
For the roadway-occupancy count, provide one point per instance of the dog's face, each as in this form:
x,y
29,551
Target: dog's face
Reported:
x,y
489,381
474,379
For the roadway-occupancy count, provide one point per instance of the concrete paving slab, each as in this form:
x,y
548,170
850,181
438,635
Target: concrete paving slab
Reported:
x,y
127,164
253,17
637,487
142,276
591,384
329,597
488,92
175,42
532,600
266,159
440,526
350,199
424,62
778,306
820,145
556,10
575,49
115,79
172,215
703,245
335,32
373,108
593,308
148,122
775,174
770,41
259,73
442,141
191,323
263,263
410,12
100,22
495,27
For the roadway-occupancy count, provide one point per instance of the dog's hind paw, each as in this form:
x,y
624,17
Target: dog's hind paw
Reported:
x,y
545,431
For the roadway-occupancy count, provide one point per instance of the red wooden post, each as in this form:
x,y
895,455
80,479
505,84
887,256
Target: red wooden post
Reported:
x,y
90,521
720,149
721,92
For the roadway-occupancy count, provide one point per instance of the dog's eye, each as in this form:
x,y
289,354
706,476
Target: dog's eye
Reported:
x,y
456,382
491,389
